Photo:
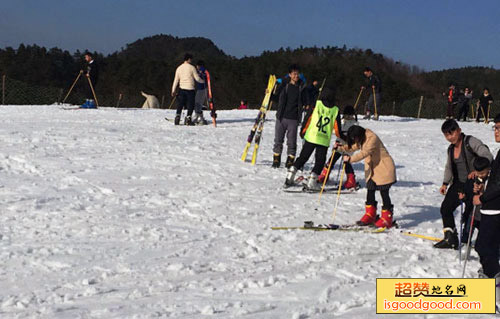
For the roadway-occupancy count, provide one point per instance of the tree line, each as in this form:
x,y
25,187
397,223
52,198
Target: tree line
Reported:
x,y
149,64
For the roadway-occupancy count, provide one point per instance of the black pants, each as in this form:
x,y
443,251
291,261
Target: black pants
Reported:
x,y
488,243
386,199
185,99
450,203
462,111
450,110
481,111
306,152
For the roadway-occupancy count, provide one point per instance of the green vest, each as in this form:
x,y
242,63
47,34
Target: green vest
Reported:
x,y
321,125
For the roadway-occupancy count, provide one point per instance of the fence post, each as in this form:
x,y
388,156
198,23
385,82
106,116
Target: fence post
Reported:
x,y
119,99
60,96
162,101
393,107
420,105
3,89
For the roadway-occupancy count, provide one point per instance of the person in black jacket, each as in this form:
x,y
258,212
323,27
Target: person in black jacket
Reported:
x,y
292,98
462,153
488,196
373,85
91,71
484,104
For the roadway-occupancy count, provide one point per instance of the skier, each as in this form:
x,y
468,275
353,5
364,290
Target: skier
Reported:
x,y
452,98
349,118
317,128
91,71
461,155
313,91
185,77
374,84
201,95
292,98
484,104
380,172
488,196
243,105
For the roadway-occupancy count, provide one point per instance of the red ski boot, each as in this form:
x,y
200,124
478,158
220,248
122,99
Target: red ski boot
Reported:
x,y
386,219
350,182
322,176
369,216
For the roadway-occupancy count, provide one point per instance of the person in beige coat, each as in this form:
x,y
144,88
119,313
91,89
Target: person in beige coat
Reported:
x,y
380,172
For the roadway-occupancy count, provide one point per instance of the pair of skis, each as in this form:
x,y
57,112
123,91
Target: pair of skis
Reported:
x,y
309,225
258,126
211,105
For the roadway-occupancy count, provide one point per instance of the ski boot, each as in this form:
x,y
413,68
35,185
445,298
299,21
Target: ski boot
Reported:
x,y
386,219
199,119
276,160
369,216
367,116
289,161
350,182
323,175
312,183
177,119
187,121
290,176
450,240
91,104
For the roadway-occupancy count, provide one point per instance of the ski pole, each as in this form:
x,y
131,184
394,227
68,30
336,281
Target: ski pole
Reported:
x,y
338,194
72,86
359,96
340,166
93,92
460,232
488,114
469,240
320,90
172,103
327,174
375,104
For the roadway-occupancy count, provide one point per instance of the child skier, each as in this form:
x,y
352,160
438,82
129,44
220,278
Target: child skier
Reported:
x,y
380,172
349,119
316,130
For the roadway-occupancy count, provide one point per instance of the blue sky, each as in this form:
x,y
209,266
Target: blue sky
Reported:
x,y
432,34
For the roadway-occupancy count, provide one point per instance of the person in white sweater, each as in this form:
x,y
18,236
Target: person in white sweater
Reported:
x,y
151,101
185,77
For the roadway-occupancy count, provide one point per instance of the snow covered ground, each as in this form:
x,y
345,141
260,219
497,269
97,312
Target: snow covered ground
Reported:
x,y
116,213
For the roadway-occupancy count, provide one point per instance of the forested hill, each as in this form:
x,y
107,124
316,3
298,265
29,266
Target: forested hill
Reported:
x,y
149,64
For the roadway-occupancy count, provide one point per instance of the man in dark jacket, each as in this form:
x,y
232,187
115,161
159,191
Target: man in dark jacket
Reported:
x,y
373,85
292,99
91,71
461,155
488,196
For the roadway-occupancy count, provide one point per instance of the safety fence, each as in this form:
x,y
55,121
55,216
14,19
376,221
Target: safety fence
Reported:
x,y
17,92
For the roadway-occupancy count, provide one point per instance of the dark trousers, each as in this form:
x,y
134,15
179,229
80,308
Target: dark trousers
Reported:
x,y
88,91
488,243
386,199
450,203
185,99
450,110
306,152
462,112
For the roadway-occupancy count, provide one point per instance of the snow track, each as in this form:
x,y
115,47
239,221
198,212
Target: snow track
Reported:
x,y
115,213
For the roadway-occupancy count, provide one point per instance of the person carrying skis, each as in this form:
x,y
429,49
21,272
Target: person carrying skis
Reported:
x,y
484,104
292,98
91,71
201,95
349,118
488,196
185,77
461,155
317,128
373,83
380,172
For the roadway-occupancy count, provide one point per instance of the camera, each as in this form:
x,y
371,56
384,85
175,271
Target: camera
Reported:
x,y
478,180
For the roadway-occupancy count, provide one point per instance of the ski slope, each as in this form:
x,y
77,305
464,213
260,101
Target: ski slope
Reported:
x,y
116,213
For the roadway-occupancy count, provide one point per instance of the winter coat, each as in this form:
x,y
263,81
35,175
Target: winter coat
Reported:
x,y
491,196
151,101
476,148
303,99
92,71
379,165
